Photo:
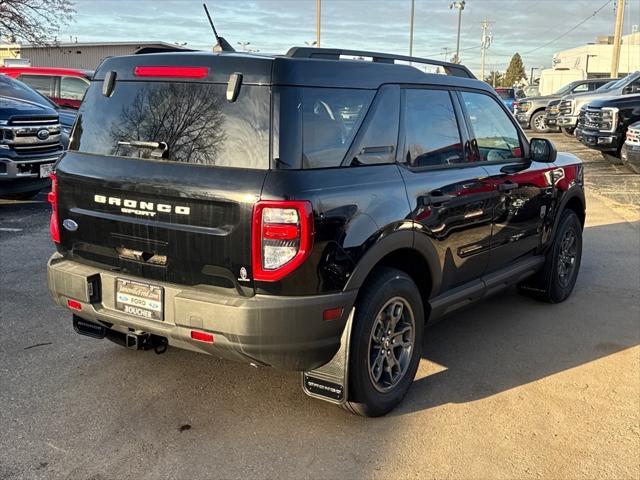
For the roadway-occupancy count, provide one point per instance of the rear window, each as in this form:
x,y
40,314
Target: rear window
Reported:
x,y
180,122
316,126
505,94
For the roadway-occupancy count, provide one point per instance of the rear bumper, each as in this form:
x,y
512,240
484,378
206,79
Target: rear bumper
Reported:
x,y
284,332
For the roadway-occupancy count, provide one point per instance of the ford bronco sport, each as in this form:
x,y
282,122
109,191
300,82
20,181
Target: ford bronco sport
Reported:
x,y
306,211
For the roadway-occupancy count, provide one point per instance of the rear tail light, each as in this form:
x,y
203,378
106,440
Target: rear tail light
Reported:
x,y
282,238
74,304
202,336
172,72
52,197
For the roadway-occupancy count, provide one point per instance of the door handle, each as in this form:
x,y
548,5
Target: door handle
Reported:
x,y
435,199
507,186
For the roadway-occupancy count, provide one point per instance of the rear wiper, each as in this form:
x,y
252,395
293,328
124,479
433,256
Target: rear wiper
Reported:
x,y
159,148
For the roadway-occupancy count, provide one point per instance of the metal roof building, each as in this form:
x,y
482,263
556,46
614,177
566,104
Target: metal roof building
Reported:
x,y
82,55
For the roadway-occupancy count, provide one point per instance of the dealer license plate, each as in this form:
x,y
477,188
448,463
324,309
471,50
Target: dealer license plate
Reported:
x,y
139,299
45,170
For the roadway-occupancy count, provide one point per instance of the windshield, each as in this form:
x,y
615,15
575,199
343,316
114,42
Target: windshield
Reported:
x,y
505,93
16,89
620,83
566,89
176,122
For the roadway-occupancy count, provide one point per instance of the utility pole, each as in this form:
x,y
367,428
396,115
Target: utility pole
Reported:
x,y
318,15
413,10
617,37
487,38
446,54
460,6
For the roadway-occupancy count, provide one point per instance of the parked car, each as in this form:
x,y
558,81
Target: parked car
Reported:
x,y
30,139
304,211
603,123
630,152
530,111
65,86
509,96
571,105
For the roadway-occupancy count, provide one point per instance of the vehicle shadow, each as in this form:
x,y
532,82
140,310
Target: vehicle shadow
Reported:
x,y
512,340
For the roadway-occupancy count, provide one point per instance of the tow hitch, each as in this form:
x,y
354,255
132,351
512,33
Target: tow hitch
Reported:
x,y
134,341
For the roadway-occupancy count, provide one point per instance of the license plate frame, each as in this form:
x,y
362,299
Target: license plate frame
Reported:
x,y
46,169
140,299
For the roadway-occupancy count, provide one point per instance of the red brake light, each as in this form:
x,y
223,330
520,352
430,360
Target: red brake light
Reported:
x,y
74,304
52,197
174,72
282,238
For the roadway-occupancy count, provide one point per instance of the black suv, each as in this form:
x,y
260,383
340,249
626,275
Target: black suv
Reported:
x,y
306,211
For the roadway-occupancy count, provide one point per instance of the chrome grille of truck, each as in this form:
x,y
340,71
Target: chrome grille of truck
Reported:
x,y
566,107
31,135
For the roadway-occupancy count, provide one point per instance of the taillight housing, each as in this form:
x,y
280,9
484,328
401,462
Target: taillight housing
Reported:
x,y
282,238
52,197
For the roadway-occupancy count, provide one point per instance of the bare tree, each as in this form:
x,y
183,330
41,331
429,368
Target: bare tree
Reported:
x,y
34,21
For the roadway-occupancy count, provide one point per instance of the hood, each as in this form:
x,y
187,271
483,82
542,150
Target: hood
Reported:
x,y
10,106
588,95
540,98
67,117
617,101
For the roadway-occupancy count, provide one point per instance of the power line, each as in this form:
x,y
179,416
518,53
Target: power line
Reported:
x,y
570,30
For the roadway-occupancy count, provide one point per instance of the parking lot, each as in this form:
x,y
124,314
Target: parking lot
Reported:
x,y
511,388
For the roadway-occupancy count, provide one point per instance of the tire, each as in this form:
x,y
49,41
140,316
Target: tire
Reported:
x,y
555,282
21,195
537,122
568,132
384,293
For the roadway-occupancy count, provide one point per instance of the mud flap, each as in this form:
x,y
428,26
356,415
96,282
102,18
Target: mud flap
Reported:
x,y
330,382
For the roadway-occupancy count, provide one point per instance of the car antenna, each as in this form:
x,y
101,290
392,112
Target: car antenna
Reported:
x,y
221,44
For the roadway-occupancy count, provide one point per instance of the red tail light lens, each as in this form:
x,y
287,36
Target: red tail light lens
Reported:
x,y
282,234
52,197
173,72
202,336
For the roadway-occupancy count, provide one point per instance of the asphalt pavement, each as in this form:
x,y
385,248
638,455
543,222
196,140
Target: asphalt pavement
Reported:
x,y
511,388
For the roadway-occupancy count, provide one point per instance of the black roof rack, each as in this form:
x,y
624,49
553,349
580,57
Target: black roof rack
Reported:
x,y
335,53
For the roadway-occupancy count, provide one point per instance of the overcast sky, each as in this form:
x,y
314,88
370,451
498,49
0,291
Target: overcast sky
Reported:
x,y
273,26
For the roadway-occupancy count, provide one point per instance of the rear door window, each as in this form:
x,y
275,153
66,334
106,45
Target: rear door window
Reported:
x,y
432,137
583,87
42,83
178,122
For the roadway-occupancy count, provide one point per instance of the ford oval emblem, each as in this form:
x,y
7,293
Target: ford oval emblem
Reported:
x,y
43,134
70,225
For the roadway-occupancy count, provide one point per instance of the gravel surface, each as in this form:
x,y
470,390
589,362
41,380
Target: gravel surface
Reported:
x,y
511,388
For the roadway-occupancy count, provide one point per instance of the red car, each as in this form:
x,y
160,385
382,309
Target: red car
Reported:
x,y
65,86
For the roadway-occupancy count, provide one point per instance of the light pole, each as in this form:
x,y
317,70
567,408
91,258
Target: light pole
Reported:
x,y
460,6
413,9
244,45
318,16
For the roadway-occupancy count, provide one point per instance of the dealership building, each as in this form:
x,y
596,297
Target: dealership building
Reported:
x,y
71,55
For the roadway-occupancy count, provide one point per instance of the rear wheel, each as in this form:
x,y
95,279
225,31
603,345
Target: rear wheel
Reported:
x,y
537,122
386,343
555,282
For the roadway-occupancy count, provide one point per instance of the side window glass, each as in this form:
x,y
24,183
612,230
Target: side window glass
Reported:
x,y
377,145
40,83
432,135
330,119
72,88
495,134
583,87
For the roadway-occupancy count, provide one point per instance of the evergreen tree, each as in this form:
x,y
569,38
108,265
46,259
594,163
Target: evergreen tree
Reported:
x,y
494,76
515,71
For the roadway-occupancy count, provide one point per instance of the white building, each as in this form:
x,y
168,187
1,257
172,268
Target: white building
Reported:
x,y
595,58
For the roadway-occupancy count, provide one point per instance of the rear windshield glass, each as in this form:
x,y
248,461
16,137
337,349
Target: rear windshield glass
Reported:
x,y
180,122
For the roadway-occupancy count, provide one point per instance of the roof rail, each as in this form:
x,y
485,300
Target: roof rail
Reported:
x,y
335,53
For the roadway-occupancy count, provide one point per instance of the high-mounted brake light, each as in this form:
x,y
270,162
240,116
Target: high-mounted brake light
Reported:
x,y
173,72
52,197
282,238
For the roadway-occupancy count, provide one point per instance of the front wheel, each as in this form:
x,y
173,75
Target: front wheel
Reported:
x,y
386,343
537,122
568,131
555,282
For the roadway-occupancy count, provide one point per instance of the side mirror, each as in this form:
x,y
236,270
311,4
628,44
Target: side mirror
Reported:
x,y
542,150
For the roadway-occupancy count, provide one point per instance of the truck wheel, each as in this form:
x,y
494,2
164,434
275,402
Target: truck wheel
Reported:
x,y
568,132
537,122
386,343
555,282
